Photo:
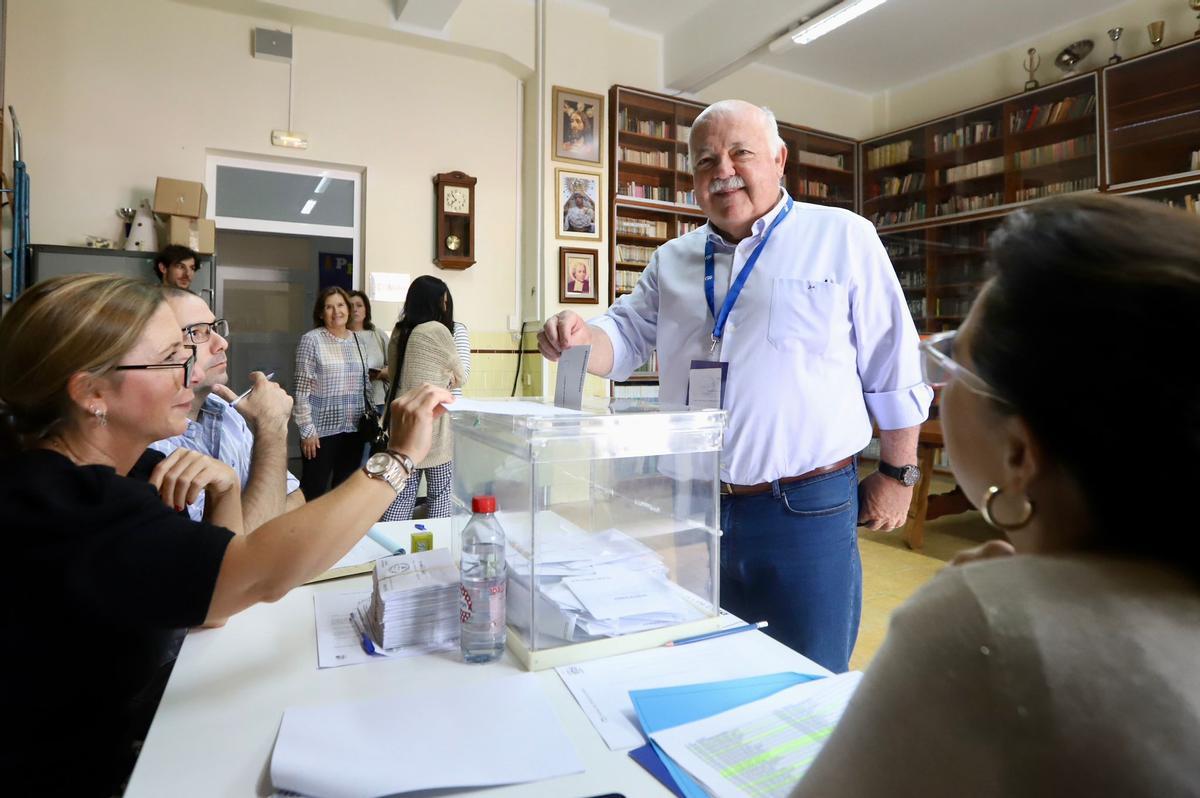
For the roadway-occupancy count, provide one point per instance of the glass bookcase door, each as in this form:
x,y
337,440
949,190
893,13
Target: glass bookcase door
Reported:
x,y
819,169
965,162
958,256
1152,116
895,182
1052,141
909,255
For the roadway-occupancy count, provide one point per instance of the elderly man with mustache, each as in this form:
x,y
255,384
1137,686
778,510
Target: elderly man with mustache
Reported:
x,y
251,438
800,306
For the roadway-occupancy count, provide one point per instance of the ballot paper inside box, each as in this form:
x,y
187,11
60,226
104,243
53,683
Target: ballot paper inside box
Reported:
x,y
611,519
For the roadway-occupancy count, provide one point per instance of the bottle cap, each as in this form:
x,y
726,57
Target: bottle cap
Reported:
x,y
483,504
421,527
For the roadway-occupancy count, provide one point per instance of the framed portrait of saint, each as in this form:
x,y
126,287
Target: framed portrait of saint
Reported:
x,y
578,122
577,276
578,204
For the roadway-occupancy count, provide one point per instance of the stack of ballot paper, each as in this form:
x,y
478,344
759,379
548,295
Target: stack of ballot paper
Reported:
x,y
414,601
587,585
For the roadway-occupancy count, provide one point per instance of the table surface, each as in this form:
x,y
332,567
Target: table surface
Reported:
x,y
216,726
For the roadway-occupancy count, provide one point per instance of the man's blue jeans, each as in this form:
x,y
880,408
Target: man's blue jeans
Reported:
x,y
790,557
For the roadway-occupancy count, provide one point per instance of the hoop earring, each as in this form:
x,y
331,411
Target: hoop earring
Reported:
x,y
986,512
101,416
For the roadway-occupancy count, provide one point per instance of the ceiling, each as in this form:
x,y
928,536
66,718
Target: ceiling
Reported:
x,y
897,43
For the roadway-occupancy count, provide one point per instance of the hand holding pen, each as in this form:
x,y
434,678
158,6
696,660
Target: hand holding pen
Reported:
x,y
263,404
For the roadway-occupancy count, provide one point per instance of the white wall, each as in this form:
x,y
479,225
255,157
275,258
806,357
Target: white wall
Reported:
x,y
111,95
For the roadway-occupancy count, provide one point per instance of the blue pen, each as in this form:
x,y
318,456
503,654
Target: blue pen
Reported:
x,y
367,646
750,627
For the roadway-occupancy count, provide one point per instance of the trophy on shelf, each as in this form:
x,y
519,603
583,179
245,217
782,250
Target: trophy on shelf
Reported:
x,y
1195,6
1071,55
1115,35
1031,63
1155,29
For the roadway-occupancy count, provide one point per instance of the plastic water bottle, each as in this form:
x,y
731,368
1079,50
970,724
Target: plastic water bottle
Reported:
x,y
484,584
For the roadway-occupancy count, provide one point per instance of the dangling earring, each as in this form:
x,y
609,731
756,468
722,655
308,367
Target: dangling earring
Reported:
x,y
101,416
986,512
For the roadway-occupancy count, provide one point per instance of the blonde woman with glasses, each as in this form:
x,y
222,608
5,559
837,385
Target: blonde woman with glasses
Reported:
x,y
92,369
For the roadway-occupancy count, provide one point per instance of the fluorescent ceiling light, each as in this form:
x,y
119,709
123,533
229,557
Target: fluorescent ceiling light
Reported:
x,y
832,19
321,186
308,206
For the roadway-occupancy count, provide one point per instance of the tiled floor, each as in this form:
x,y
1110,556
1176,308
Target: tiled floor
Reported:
x,y
892,572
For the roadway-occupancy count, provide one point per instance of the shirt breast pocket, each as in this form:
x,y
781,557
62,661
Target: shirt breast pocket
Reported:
x,y
803,313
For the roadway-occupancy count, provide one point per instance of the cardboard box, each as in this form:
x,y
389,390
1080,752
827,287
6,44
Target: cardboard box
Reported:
x,y
180,198
197,234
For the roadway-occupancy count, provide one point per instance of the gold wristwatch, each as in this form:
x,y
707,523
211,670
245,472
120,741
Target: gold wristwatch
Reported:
x,y
392,467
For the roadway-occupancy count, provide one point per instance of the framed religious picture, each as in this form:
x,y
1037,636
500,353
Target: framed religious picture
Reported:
x,y
578,120
578,204
577,276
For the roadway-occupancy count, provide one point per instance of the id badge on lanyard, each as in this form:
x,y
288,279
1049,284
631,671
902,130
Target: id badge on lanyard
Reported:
x,y
707,378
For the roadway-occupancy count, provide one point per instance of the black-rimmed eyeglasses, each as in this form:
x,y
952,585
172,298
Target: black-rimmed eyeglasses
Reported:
x,y
199,332
186,365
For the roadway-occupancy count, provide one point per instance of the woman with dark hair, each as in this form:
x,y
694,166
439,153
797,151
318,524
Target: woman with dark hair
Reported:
x,y
374,343
93,368
422,351
330,396
1062,661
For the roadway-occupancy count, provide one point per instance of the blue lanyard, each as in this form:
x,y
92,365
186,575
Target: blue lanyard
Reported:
x,y
735,290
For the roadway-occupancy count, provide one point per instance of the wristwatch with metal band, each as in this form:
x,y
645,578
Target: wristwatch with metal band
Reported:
x,y
392,467
906,475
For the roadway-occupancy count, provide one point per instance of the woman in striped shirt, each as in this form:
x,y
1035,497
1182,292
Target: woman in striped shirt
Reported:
x,y
330,396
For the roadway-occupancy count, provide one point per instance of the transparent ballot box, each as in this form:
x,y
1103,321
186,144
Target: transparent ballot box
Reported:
x,y
610,516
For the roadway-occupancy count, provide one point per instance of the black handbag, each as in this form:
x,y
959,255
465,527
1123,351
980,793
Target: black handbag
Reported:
x,y
371,428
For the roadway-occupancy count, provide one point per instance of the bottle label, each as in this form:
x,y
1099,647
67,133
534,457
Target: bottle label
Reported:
x,y
494,595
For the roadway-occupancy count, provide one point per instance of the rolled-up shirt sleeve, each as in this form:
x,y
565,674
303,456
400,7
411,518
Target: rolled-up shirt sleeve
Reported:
x,y
889,361
632,324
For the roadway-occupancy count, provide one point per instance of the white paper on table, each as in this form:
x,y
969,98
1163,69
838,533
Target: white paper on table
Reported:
x,y
365,550
338,642
503,407
601,687
763,748
623,595
418,741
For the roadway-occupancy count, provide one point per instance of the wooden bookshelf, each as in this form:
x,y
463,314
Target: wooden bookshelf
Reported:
x,y
1152,118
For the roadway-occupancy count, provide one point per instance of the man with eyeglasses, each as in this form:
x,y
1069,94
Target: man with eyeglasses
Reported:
x,y
251,438
176,266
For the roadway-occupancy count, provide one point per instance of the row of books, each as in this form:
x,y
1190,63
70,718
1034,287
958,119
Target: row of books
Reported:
x,y
904,247
821,159
660,158
632,253
625,280
1065,110
952,306
816,188
646,127
962,271
1058,151
911,279
912,213
650,367
968,171
639,191
889,154
1051,189
917,307
635,391
974,202
891,186
685,197
683,132
687,227
965,136
651,228
1194,162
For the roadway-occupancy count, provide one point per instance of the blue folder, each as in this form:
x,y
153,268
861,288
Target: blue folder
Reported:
x,y
666,707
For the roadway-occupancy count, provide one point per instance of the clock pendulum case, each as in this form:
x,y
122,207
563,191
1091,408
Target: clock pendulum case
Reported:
x,y
454,238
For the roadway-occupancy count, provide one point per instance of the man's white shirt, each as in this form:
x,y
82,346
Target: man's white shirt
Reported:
x,y
819,343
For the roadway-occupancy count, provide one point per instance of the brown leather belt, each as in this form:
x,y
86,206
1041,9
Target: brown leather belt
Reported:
x,y
764,487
